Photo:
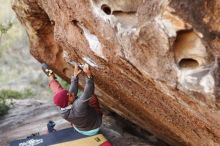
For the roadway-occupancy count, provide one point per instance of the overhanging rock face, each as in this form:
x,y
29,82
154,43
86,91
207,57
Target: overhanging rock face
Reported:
x,y
155,62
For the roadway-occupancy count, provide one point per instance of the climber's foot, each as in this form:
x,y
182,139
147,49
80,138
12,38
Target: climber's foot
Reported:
x,y
47,70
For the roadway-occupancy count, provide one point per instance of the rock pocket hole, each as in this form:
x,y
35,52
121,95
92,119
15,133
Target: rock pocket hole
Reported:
x,y
106,9
75,22
65,70
188,63
189,50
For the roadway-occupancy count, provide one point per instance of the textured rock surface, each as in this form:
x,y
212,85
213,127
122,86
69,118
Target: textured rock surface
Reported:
x,y
155,62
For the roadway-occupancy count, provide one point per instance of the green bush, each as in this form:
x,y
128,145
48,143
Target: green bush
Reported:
x,y
13,94
3,107
4,29
63,83
8,95
27,93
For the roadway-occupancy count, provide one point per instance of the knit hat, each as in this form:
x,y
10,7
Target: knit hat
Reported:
x,y
61,99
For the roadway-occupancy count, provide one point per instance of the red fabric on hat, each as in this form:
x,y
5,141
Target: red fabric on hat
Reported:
x,y
61,99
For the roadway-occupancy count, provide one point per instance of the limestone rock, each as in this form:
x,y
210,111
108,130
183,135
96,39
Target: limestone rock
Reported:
x,y
155,62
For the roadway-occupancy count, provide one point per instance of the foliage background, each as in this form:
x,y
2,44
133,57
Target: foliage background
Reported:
x,y
20,73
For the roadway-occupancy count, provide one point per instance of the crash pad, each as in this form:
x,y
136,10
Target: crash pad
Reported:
x,y
65,137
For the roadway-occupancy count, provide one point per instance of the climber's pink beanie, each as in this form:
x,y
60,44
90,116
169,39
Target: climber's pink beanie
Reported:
x,y
61,99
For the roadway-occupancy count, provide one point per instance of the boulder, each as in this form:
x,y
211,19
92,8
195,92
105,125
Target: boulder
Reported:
x,y
155,62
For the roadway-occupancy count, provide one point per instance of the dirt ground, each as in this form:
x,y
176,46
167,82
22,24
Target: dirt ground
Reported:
x,y
30,116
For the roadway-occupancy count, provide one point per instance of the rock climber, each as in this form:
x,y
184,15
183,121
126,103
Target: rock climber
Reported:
x,y
82,112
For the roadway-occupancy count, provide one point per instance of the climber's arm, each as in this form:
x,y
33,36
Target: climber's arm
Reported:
x,y
74,81
74,85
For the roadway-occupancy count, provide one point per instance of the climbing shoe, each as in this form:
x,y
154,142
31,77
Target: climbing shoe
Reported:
x,y
47,70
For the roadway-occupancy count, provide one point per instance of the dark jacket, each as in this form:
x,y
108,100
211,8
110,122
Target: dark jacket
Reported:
x,y
80,114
